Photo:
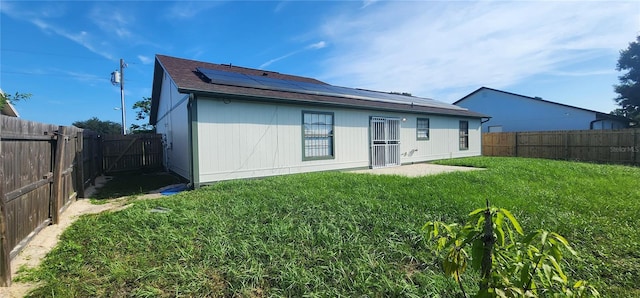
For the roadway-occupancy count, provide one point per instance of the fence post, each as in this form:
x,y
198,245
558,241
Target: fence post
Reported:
x,y
516,144
93,152
80,164
5,250
635,146
58,165
566,145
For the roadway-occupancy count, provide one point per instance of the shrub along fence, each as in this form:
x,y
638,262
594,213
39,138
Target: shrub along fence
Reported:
x,y
45,167
602,146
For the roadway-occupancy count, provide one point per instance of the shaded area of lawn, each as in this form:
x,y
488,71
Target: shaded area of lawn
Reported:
x,y
342,234
134,183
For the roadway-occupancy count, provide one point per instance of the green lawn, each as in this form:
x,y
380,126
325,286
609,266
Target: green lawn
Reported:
x,y
341,234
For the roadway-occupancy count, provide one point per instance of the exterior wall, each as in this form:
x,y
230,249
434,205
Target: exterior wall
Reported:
x,y
239,139
517,113
174,126
608,124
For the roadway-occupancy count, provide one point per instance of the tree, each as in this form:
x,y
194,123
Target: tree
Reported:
x,y
143,108
99,126
629,88
510,263
5,98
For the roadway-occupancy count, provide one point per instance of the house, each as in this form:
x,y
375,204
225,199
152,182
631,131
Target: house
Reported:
x,y
514,112
8,109
221,122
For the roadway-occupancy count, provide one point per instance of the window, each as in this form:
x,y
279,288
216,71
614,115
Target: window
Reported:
x,y
422,129
317,135
464,135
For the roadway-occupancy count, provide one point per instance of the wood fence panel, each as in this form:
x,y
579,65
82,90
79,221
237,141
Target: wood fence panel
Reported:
x,y
26,162
498,144
91,157
44,168
131,152
636,149
603,146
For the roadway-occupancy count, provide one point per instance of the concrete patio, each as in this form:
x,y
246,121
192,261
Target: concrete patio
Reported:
x,y
416,170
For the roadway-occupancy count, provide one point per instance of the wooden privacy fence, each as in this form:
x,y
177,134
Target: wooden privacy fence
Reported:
x,y
42,171
45,167
603,146
131,152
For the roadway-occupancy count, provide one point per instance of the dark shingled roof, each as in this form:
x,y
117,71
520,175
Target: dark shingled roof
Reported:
x,y
188,80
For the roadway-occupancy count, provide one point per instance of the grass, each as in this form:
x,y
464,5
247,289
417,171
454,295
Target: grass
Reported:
x,y
133,183
341,234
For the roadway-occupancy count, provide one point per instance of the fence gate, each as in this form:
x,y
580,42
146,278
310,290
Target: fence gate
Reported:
x,y
385,142
131,152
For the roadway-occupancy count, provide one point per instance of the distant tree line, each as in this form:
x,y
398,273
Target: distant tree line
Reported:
x,y
143,110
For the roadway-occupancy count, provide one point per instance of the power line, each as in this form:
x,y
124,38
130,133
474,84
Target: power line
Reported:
x,y
53,74
21,51
60,75
51,54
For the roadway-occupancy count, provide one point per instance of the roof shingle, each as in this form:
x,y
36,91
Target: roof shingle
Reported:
x,y
188,80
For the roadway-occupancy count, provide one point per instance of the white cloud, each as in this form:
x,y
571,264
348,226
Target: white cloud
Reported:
x,y
111,21
280,6
39,19
313,46
145,59
317,45
86,77
187,10
82,38
366,3
427,48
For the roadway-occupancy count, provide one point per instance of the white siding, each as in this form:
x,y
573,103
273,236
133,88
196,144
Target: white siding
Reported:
x,y
246,139
173,124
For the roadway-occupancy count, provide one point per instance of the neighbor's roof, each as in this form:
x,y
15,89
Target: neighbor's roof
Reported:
x,y
599,115
8,109
188,79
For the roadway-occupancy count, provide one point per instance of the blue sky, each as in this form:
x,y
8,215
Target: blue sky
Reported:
x,y
63,52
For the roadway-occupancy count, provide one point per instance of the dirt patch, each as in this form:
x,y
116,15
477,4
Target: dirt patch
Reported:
x,y
43,242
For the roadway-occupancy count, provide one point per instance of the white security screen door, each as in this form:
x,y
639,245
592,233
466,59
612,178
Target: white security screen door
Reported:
x,y
385,142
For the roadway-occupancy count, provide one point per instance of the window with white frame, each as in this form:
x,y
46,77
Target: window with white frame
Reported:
x,y
422,129
464,135
317,135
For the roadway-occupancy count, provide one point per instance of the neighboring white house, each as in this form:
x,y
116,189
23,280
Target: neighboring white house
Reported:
x,y
514,112
8,109
223,122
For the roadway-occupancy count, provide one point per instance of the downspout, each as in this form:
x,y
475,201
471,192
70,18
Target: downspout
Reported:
x,y
483,122
192,118
594,121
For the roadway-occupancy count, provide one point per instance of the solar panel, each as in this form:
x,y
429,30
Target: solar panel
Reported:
x,y
267,83
275,83
228,78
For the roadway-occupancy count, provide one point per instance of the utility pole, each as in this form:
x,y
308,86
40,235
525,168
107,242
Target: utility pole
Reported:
x,y
124,113
118,78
